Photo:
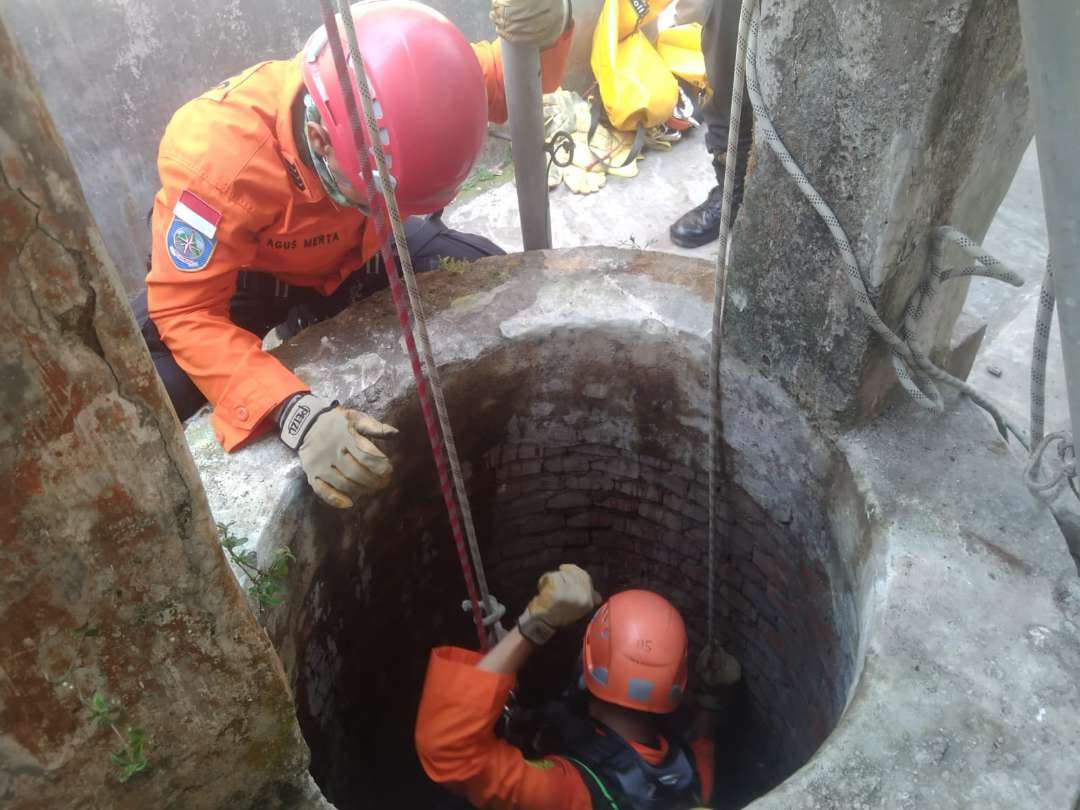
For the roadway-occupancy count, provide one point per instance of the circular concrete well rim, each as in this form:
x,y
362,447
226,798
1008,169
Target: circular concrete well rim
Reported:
x,y
884,542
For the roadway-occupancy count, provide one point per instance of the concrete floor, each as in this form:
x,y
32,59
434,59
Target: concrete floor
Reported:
x,y
636,212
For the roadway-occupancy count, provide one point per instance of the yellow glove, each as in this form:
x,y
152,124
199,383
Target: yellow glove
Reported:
x,y
566,111
539,22
716,672
614,146
563,597
584,181
561,112
340,461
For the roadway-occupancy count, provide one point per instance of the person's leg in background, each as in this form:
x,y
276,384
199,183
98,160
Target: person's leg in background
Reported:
x,y
719,41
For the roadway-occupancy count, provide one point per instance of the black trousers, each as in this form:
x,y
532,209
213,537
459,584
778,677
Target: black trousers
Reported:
x,y
262,303
719,41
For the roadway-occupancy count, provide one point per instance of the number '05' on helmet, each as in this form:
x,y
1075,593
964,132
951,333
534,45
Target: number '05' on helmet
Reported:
x,y
430,102
634,653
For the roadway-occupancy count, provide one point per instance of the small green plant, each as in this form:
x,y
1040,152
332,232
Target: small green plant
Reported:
x,y
131,758
454,266
479,176
266,585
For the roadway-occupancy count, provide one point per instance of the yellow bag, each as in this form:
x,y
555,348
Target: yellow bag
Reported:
x,y
680,48
636,85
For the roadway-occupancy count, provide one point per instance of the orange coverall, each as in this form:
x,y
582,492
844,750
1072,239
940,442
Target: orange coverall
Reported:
x,y
235,149
456,742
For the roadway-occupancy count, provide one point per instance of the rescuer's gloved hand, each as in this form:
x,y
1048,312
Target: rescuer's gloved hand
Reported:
x,y
340,461
538,22
562,597
716,673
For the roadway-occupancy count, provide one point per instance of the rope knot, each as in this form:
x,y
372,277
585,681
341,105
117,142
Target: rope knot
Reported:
x,y
1063,469
492,611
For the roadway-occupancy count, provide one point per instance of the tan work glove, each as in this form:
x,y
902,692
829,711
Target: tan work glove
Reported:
x,y
562,597
340,461
537,22
716,673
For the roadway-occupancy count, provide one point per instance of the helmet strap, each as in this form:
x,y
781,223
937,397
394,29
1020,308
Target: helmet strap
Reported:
x,y
320,162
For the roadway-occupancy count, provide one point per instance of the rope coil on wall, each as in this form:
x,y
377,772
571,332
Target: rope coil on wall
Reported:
x,y
916,372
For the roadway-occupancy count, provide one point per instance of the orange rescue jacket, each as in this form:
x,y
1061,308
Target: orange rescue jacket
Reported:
x,y
234,152
456,742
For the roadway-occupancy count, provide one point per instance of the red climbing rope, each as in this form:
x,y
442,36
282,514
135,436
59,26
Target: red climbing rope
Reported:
x,y
401,304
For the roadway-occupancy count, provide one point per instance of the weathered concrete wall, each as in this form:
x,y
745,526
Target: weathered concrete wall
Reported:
x,y
112,580
113,72
905,116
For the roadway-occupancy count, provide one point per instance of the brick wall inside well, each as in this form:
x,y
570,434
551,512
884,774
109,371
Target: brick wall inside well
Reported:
x,y
635,520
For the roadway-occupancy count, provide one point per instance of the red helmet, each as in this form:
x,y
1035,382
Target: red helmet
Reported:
x,y
635,653
429,100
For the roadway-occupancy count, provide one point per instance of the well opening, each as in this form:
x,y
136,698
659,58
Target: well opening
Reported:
x,y
586,447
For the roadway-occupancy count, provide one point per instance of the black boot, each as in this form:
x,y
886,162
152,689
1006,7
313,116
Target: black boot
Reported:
x,y
701,224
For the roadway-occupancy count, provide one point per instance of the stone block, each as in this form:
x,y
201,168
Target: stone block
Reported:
x,y
591,481
534,523
619,504
661,516
620,466
644,530
520,469
757,596
741,605
592,519
568,500
653,461
528,504
639,490
686,508
571,463
665,480
774,572
601,450
751,573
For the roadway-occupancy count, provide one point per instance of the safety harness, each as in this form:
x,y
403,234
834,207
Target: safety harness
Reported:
x,y
615,775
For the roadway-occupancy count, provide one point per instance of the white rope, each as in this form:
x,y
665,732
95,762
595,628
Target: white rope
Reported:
x,y
718,472
1065,469
1040,352
431,370
493,612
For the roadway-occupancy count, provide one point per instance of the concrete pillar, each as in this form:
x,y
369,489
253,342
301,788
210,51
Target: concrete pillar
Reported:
x,y
112,581
905,116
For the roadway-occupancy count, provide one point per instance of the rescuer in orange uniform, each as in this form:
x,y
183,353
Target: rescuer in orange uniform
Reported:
x,y
262,220
617,748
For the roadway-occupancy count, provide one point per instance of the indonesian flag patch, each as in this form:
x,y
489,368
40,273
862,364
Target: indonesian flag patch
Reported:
x,y
190,238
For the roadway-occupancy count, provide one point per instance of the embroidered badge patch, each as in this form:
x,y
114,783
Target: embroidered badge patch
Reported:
x,y
190,238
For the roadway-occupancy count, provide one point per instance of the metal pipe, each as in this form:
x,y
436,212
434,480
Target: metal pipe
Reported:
x,y
521,77
1051,30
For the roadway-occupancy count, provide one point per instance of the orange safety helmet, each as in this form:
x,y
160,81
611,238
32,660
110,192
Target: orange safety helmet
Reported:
x,y
429,100
635,653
